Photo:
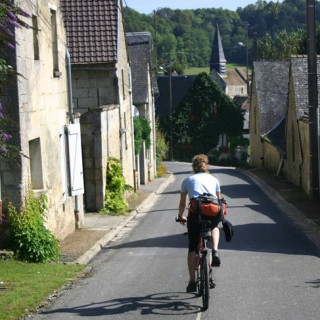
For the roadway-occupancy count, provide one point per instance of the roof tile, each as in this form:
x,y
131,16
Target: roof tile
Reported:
x,y
91,30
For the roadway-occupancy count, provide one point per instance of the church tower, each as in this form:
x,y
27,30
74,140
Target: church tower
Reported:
x,y
218,61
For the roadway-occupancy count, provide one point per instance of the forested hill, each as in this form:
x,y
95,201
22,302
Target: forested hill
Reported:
x,y
186,36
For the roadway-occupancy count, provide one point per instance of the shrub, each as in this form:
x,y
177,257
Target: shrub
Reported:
x,y
142,132
30,240
115,203
162,147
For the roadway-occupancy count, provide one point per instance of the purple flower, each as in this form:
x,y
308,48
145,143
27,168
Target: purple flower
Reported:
x,y
3,149
12,15
5,30
23,13
6,137
14,23
11,46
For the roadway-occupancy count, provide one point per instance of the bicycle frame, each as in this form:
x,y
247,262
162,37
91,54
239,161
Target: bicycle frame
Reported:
x,y
204,269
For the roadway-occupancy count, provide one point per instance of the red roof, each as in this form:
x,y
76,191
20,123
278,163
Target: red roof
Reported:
x,y
92,29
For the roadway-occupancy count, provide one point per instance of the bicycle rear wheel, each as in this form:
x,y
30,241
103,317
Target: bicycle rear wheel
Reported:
x,y
198,280
205,282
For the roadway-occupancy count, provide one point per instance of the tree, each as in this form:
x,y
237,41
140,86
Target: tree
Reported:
x,y
192,31
283,45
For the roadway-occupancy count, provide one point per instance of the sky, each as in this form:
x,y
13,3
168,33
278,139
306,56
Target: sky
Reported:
x,y
148,6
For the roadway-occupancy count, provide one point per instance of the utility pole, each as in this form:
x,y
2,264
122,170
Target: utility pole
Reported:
x,y
170,107
170,115
155,41
247,59
313,102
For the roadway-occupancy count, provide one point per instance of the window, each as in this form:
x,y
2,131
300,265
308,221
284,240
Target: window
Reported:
x,y
35,164
54,35
35,37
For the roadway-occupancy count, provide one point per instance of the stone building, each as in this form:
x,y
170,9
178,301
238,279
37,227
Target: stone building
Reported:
x,y
268,106
279,119
297,165
101,84
144,89
37,103
232,81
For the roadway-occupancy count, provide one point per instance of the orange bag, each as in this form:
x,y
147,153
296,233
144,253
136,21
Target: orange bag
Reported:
x,y
210,209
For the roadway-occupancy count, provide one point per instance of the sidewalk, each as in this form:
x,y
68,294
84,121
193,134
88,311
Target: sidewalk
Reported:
x,y
82,245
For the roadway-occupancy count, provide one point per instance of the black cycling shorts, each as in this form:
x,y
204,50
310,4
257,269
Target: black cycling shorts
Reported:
x,y
194,229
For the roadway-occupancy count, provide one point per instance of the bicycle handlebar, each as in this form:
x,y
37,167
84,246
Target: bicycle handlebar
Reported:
x,y
205,223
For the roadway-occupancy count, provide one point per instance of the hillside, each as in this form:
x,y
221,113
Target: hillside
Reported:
x,y
184,37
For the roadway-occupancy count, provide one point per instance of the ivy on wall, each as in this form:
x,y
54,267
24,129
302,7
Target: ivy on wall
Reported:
x,y
142,132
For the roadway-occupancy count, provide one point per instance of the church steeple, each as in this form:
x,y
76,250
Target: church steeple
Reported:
x,y
218,61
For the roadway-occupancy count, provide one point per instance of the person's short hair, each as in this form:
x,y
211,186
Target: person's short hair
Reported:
x,y
199,163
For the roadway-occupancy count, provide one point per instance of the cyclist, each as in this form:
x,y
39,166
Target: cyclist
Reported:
x,y
195,185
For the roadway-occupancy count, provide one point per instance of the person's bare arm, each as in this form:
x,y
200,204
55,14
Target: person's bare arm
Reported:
x,y
182,206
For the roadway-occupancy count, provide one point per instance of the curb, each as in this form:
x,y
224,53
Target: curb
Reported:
x,y
308,226
97,247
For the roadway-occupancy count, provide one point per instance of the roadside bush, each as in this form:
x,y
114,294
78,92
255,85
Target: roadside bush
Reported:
x,y
162,149
142,132
115,203
29,239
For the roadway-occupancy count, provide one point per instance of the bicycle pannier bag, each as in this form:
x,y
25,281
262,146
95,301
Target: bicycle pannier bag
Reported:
x,y
227,226
228,229
209,205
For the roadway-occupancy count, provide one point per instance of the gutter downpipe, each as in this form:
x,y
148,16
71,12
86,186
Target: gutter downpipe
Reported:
x,y
76,199
301,154
121,130
118,77
132,130
313,102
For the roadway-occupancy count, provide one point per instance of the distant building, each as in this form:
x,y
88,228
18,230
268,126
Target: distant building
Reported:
x,y
232,81
179,87
144,87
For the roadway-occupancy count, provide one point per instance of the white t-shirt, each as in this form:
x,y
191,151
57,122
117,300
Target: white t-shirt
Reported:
x,y
200,183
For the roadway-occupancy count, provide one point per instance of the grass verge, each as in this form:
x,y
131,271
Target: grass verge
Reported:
x,y
25,286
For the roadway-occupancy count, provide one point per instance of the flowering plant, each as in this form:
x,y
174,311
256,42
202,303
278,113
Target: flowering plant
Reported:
x,y
9,19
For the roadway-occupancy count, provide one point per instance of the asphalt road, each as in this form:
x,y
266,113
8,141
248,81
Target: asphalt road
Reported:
x,y
269,271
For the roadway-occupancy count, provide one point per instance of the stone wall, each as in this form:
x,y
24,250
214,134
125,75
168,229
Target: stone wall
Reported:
x,y
41,107
256,148
100,140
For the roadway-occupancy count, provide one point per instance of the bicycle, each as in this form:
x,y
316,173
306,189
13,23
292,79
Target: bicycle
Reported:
x,y
204,273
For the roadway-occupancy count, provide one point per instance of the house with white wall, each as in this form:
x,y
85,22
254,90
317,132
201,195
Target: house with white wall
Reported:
x,y
102,91
44,128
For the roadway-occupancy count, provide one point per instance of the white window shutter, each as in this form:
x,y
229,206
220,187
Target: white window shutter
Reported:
x,y
75,159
